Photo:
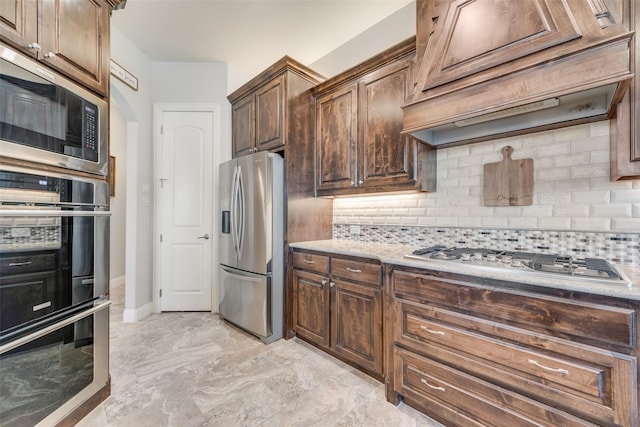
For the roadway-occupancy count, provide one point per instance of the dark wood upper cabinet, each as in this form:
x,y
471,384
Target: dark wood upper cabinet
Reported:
x,y
336,139
261,108
360,147
498,57
625,127
69,36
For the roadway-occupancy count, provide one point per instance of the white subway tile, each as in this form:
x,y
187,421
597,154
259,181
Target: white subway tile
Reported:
x,y
559,198
590,144
427,220
600,156
611,211
427,202
459,212
543,163
542,187
551,174
625,196
507,211
588,171
461,150
572,160
604,182
469,222
573,184
554,223
447,221
436,212
570,133
591,196
554,149
636,210
591,224
600,128
625,224
537,211
522,222
572,210
493,222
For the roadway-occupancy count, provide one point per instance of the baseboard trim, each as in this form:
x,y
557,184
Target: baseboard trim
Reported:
x,y
133,315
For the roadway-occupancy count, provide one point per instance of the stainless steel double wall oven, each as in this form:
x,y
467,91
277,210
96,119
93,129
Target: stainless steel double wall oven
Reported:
x,y
54,244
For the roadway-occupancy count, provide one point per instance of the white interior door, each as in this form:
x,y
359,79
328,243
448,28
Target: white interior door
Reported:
x,y
185,210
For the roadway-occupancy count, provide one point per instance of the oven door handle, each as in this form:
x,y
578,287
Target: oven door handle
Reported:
x,y
52,328
49,213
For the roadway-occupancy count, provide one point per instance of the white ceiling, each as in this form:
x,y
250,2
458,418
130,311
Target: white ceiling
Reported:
x,y
248,34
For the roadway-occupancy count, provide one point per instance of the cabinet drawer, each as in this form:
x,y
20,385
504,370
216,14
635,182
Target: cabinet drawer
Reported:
x,y
356,270
457,398
557,316
580,379
312,262
27,264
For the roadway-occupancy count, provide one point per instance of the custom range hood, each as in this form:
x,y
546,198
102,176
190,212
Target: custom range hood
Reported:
x,y
493,68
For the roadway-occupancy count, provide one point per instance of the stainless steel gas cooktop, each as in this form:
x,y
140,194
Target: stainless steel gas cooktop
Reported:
x,y
595,270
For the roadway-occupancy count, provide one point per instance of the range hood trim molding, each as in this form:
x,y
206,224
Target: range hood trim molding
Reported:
x,y
533,84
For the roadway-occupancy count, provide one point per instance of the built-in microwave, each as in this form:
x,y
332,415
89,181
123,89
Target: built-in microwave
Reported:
x,y
47,118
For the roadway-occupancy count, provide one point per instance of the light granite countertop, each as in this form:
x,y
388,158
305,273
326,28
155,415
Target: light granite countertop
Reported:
x,y
395,254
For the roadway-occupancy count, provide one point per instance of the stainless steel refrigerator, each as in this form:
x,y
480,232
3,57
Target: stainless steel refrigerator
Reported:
x,y
251,239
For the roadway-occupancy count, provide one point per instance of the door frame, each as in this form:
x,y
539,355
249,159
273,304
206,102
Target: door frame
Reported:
x,y
158,110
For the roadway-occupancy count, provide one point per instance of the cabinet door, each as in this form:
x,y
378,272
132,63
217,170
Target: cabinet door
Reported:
x,y
336,137
243,132
479,35
270,115
357,324
388,157
311,307
19,23
74,36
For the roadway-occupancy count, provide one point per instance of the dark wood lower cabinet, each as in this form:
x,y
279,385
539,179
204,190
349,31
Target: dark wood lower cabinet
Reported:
x,y
337,305
470,352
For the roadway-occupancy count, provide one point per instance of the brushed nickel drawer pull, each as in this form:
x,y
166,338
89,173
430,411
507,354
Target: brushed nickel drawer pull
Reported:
x,y
546,368
354,270
431,331
425,382
307,261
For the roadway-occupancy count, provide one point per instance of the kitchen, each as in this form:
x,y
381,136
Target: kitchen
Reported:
x,y
574,197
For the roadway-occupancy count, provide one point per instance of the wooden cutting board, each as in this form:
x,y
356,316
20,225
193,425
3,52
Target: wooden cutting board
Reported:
x,y
509,182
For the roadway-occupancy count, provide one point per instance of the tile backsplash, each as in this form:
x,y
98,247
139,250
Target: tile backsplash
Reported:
x,y
576,208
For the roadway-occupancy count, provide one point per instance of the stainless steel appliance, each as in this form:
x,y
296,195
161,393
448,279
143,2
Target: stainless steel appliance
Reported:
x,y
46,118
54,317
251,243
589,270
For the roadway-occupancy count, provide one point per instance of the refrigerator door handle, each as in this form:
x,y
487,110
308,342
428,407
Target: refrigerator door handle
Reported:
x,y
234,210
241,200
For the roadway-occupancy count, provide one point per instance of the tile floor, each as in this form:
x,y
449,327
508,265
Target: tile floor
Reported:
x,y
192,369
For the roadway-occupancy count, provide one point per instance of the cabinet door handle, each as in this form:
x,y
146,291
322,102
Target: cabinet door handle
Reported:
x,y
50,55
354,270
425,382
332,284
324,282
308,261
431,331
19,264
546,368
34,46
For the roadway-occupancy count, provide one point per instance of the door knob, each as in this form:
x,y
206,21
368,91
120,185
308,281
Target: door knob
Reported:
x,y
205,237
